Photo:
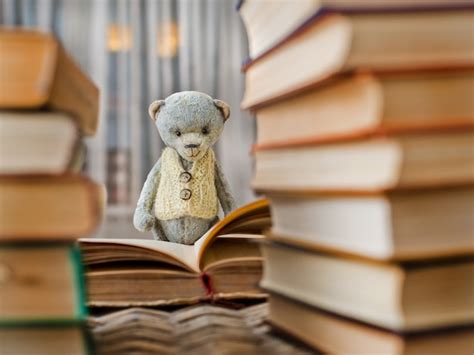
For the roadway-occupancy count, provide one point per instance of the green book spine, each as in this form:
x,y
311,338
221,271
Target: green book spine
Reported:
x,y
76,260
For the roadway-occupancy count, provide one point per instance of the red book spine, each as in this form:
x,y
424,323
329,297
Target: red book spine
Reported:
x,y
207,283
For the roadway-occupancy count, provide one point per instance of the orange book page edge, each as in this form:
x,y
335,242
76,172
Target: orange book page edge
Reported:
x,y
348,72
460,125
205,240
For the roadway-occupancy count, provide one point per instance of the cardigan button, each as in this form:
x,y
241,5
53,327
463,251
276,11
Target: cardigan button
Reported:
x,y
185,177
185,194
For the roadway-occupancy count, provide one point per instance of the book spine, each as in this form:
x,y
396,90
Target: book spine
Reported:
x,y
78,270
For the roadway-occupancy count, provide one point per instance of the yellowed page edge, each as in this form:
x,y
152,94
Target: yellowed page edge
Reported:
x,y
184,254
201,245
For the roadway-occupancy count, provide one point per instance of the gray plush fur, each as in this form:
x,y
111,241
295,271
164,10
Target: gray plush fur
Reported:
x,y
187,112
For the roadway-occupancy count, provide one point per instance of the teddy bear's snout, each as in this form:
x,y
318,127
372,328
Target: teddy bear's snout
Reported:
x,y
188,146
192,152
192,146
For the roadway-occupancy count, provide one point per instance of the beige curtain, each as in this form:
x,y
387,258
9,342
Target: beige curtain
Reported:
x,y
141,50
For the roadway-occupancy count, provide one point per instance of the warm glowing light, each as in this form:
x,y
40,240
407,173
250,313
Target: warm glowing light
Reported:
x,y
167,40
119,38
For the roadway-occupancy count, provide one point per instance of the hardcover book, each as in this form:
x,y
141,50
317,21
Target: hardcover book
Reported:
x,y
36,72
336,44
38,143
49,208
70,339
396,225
360,104
405,297
329,333
41,283
369,164
269,23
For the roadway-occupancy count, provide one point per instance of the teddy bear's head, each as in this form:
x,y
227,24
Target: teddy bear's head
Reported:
x,y
189,121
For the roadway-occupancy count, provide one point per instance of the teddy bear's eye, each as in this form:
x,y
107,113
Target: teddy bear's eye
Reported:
x,y
205,130
178,133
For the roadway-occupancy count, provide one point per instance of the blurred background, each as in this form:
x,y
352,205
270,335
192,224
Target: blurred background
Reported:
x,y
143,50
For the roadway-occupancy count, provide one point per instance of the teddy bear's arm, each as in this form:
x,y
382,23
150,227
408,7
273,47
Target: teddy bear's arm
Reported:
x,y
223,190
143,218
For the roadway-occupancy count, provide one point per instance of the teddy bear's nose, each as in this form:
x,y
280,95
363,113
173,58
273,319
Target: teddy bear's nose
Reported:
x,y
187,146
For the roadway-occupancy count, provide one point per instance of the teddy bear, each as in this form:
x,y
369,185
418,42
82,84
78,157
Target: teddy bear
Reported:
x,y
180,198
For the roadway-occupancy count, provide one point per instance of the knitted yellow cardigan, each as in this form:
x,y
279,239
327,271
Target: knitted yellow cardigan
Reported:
x,y
182,193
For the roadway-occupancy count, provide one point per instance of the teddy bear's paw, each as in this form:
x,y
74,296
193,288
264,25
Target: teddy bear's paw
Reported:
x,y
143,221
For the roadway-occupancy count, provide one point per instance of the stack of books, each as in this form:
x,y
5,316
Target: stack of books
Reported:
x,y
365,149
46,106
198,329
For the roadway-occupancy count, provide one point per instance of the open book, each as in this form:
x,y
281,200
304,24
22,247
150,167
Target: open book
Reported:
x,y
224,263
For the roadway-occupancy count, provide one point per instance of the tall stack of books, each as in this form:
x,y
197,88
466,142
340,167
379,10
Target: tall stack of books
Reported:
x,y
365,149
46,105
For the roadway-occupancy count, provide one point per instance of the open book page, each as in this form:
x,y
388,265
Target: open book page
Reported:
x,y
177,254
249,225
233,249
253,208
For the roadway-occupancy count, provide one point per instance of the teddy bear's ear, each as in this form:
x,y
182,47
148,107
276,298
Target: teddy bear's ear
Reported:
x,y
223,107
154,108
